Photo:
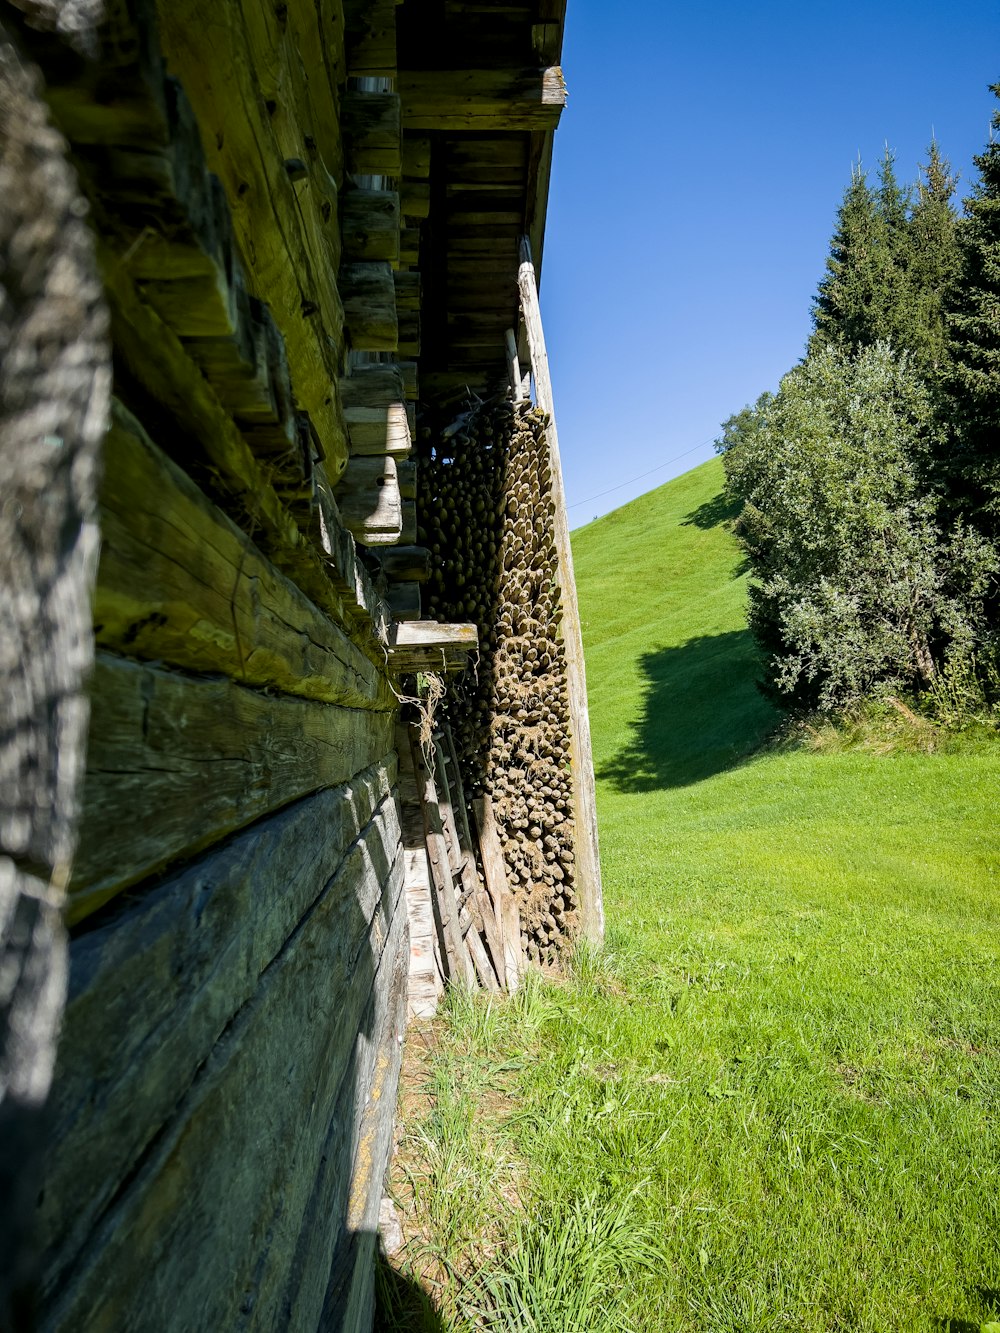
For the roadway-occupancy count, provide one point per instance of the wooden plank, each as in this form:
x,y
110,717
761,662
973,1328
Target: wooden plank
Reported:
x,y
369,296
427,969
370,39
427,645
407,291
370,502
482,99
176,762
459,965
289,249
457,826
180,584
369,224
504,903
263,1139
372,129
415,199
150,992
380,430
588,864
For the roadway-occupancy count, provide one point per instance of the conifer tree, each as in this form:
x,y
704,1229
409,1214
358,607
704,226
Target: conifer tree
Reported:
x,y
933,263
844,306
973,465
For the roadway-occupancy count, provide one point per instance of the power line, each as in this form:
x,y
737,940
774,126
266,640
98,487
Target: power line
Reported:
x,y
659,468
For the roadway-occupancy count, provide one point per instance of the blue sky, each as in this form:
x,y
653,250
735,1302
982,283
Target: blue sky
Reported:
x,y
697,172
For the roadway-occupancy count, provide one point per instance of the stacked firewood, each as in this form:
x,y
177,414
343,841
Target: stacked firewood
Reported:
x,y
488,519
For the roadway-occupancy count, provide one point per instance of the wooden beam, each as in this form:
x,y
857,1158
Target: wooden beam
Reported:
x,y
369,224
417,156
372,132
403,600
380,430
443,897
292,1046
182,961
369,499
180,584
588,864
177,762
369,296
482,99
256,105
427,645
211,446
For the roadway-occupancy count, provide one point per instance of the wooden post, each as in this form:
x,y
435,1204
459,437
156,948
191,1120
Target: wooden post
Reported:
x,y
588,864
513,366
499,890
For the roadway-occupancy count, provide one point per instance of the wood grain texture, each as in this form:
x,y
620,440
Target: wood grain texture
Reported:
x,y
427,645
588,862
178,762
369,224
180,584
212,449
247,74
504,903
55,377
273,1110
482,99
372,129
370,502
151,992
369,295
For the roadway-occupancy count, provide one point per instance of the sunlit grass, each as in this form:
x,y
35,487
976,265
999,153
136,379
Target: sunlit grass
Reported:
x,y
784,1068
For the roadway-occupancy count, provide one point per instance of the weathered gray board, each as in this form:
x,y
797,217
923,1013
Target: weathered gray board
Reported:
x,y
223,1105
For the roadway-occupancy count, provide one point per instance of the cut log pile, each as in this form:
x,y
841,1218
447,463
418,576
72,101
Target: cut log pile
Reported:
x,y
488,520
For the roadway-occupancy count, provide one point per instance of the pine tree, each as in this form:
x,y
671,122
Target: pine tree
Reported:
x,y
844,306
934,263
973,465
891,262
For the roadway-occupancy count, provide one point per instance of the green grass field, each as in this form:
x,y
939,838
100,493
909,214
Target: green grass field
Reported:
x,y
773,1102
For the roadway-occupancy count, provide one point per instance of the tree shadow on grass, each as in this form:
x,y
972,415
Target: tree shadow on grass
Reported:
x,y
701,714
722,508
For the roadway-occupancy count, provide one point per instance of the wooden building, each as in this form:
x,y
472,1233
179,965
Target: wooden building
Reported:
x,y
309,221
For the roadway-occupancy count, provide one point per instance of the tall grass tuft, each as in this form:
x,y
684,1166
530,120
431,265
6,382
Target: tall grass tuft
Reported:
x,y
565,1269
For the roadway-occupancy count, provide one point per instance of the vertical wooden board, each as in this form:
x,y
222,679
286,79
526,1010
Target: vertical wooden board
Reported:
x,y
248,1135
588,864
151,992
177,762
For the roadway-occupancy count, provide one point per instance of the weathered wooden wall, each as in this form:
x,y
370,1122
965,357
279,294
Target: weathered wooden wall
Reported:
x,y
222,1107
262,183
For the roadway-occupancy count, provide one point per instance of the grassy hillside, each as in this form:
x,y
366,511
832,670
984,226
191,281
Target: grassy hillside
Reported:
x,y
774,1101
